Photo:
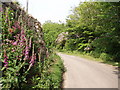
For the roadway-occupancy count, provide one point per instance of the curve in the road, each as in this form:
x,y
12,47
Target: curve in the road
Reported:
x,y
83,73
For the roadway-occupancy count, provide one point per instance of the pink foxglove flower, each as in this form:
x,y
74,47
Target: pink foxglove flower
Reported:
x,y
13,50
22,32
32,60
26,53
22,38
14,43
14,28
5,60
17,25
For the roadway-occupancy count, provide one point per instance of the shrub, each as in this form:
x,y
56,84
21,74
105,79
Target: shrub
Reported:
x,y
70,45
105,56
95,54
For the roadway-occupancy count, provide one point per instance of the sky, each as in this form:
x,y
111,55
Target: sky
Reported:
x,y
53,10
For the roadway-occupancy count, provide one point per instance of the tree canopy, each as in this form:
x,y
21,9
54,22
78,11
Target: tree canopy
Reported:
x,y
51,31
93,27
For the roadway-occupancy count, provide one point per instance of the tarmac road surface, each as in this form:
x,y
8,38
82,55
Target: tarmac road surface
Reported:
x,y
83,73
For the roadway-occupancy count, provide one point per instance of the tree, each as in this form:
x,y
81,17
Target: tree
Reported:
x,y
51,31
103,19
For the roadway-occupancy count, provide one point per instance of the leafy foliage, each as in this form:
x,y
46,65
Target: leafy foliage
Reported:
x,y
102,21
93,28
51,31
26,62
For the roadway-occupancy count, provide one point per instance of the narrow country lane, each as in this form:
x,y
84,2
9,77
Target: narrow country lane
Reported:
x,y
83,73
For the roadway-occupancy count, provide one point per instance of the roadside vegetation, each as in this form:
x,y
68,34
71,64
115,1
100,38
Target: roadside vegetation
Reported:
x,y
26,61
51,76
92,29
89,57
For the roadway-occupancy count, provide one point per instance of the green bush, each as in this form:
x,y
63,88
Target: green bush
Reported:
x,y
50,77
105,56
95,54
70,45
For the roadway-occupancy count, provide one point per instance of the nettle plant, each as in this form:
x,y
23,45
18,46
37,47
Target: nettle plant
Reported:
x,y
18,55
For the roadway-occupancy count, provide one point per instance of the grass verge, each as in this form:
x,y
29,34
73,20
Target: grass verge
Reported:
x,y
87,56
57,70
51,75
